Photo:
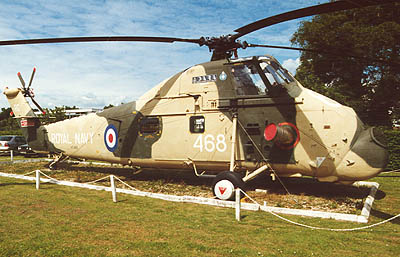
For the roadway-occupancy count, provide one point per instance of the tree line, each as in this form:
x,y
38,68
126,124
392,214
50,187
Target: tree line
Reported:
x,y
353,57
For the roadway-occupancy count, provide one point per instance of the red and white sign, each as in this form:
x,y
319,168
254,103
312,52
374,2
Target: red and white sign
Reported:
x,y
27,123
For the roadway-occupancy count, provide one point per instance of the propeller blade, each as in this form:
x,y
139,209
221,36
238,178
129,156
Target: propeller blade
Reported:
x,y
30,81
21,79
308,11
99,39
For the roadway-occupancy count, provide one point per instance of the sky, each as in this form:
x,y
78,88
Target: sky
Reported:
x,y
99,74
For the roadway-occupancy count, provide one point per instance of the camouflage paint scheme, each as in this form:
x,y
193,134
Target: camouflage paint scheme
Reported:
x,y
330,142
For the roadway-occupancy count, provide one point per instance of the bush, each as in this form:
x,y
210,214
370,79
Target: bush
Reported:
x,y
10,132
393,137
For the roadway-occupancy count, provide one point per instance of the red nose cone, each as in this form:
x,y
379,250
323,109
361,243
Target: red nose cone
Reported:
x,y
270,132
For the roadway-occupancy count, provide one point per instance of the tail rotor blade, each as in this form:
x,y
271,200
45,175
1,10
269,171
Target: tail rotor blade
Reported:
x,y
30,81
21,79
38,106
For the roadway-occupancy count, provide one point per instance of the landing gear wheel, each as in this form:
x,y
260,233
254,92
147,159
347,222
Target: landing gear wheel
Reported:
x,y
225,183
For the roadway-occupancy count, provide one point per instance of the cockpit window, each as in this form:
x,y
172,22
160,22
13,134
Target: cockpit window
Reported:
x,y
260,77
248,80
275,74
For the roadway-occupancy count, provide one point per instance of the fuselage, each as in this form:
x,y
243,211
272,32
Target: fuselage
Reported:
x,y
187,120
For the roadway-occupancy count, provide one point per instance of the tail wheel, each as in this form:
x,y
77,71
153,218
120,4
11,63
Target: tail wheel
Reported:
x,y
225,183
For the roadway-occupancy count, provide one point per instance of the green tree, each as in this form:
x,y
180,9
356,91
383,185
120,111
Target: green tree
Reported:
x,y
8,125
108,106
5,113
55,114
363,67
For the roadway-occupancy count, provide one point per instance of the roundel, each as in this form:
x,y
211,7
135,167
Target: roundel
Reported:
x,y
111,138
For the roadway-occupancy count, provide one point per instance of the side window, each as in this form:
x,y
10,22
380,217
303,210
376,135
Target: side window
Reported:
x,y
197,124
21,140
149,125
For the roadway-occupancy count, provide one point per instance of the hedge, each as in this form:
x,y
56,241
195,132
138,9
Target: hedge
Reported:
x,y
393,137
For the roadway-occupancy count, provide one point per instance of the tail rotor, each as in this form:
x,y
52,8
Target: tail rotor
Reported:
x,y
28,91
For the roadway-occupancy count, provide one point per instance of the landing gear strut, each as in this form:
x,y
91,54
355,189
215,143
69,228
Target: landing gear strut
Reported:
x,y
58,158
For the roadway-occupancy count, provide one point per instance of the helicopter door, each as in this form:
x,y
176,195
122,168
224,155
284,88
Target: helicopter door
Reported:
x,y
209,137
262,98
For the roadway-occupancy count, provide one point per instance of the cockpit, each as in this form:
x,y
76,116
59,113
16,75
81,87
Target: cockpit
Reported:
x,y
260,76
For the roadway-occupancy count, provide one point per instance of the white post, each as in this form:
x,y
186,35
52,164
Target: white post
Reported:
x,y
237,204
37,179
113,189
233,149
12,155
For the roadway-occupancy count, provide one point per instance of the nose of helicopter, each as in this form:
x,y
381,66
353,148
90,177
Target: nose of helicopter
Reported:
x,y
367,158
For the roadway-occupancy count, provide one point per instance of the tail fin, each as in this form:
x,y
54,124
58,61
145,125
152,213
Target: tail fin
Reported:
x,y
27,119
18,103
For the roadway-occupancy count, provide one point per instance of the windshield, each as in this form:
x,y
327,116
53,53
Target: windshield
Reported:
x,y
275,74
260,77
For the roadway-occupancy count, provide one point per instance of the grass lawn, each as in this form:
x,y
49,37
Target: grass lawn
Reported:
x,y
64,221
7,157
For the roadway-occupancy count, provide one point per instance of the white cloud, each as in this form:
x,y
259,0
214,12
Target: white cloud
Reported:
x,y
291,65
121,72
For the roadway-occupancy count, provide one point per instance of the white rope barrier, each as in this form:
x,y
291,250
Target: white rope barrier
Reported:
x,y
237,212
97,180
29,173
126,184
193,199
322,228
48,176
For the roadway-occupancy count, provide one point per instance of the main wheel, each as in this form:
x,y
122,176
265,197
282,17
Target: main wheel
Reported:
x,y
225,183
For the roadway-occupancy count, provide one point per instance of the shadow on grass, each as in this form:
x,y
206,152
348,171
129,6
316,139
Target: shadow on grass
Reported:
x,y
384,216
17,184
296,186
312,187
170,176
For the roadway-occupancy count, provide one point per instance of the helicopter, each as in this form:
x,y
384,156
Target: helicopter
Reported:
x,y
232,117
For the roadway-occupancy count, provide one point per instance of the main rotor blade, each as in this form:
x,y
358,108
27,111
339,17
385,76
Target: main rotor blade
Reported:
x,y
308,11
336,53
283,47
98,39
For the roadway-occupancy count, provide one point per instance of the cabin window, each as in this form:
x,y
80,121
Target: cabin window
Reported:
x,y
149,125
197,124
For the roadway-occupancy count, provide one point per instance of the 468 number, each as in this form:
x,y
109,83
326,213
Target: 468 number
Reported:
x,y
209,143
